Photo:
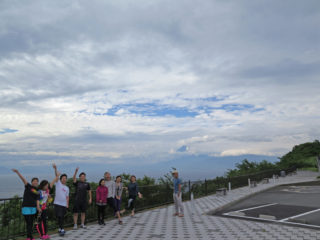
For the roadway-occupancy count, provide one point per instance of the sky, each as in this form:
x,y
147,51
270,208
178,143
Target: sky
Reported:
x,y
142,86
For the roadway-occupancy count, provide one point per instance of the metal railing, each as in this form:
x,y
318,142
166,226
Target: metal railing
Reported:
x,y
12,224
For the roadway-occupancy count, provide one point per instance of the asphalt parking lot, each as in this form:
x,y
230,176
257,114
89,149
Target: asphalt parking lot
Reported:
x,y
297,204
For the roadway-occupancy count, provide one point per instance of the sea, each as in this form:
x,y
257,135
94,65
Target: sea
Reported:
x,y
11,185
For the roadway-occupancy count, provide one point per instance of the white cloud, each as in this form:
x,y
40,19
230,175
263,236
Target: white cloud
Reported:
x,y
66,71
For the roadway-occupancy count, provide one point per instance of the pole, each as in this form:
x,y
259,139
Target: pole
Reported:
x,y
206,186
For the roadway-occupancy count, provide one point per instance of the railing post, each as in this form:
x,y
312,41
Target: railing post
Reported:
x,y
189,190
168,193
206,186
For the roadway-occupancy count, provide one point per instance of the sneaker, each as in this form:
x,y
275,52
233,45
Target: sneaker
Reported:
x,y
46,237
83,226
75,226
62,232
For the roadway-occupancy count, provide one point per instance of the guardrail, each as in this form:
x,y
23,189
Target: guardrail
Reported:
x,y
12,224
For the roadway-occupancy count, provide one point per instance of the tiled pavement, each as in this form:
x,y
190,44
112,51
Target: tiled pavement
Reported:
x,y
160,224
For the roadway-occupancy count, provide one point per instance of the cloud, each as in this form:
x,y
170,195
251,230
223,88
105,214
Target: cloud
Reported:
x,y
125,82
238,152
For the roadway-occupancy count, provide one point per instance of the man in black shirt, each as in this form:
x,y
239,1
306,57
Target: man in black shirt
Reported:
x,y
80,203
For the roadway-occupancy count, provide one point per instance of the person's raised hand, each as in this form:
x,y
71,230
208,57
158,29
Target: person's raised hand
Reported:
x,y
14,170
54,166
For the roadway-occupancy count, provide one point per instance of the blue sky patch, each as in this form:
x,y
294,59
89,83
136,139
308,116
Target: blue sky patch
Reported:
x,y
153,109
160,110
7,130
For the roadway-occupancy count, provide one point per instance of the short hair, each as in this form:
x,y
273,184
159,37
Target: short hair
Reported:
x,y
82,174
102,179
132,177
35,178
63,175
106,173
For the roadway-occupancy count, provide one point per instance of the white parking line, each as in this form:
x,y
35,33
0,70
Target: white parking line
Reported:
x,y
246,209
299,215
274,221
285,220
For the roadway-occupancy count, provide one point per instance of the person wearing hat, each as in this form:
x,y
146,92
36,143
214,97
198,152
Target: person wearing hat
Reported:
x,y
177,195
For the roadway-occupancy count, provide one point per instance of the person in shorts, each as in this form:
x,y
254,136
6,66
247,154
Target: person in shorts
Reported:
x,y
82,188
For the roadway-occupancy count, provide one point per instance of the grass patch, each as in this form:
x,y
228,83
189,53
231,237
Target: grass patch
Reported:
x,y
309,169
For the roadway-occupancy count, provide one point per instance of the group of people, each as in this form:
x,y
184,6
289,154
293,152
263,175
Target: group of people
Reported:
x,y
37,196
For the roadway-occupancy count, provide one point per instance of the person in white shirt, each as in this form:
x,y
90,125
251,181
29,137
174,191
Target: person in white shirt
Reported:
x,y
61,200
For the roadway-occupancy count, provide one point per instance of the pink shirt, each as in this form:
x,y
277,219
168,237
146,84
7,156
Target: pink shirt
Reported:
x,y
101,194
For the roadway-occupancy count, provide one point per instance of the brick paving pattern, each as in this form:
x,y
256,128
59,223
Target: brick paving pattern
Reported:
x,y
160,224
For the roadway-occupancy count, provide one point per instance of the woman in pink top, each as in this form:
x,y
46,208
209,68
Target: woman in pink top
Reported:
x,y
101,200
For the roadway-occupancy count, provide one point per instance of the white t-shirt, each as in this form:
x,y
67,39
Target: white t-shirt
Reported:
x,y
62,192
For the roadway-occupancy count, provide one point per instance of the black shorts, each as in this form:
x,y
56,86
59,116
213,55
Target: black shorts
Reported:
x,y
80,206
60,210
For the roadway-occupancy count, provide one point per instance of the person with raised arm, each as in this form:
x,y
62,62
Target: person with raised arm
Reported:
x,y
61,200
133,190
45,199
30,203
80,203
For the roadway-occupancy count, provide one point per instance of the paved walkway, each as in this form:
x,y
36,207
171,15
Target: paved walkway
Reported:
x,y
160,224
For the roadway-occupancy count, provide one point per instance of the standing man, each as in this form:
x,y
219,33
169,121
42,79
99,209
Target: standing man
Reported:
x,y
111,185
177,196
80,202
61,200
